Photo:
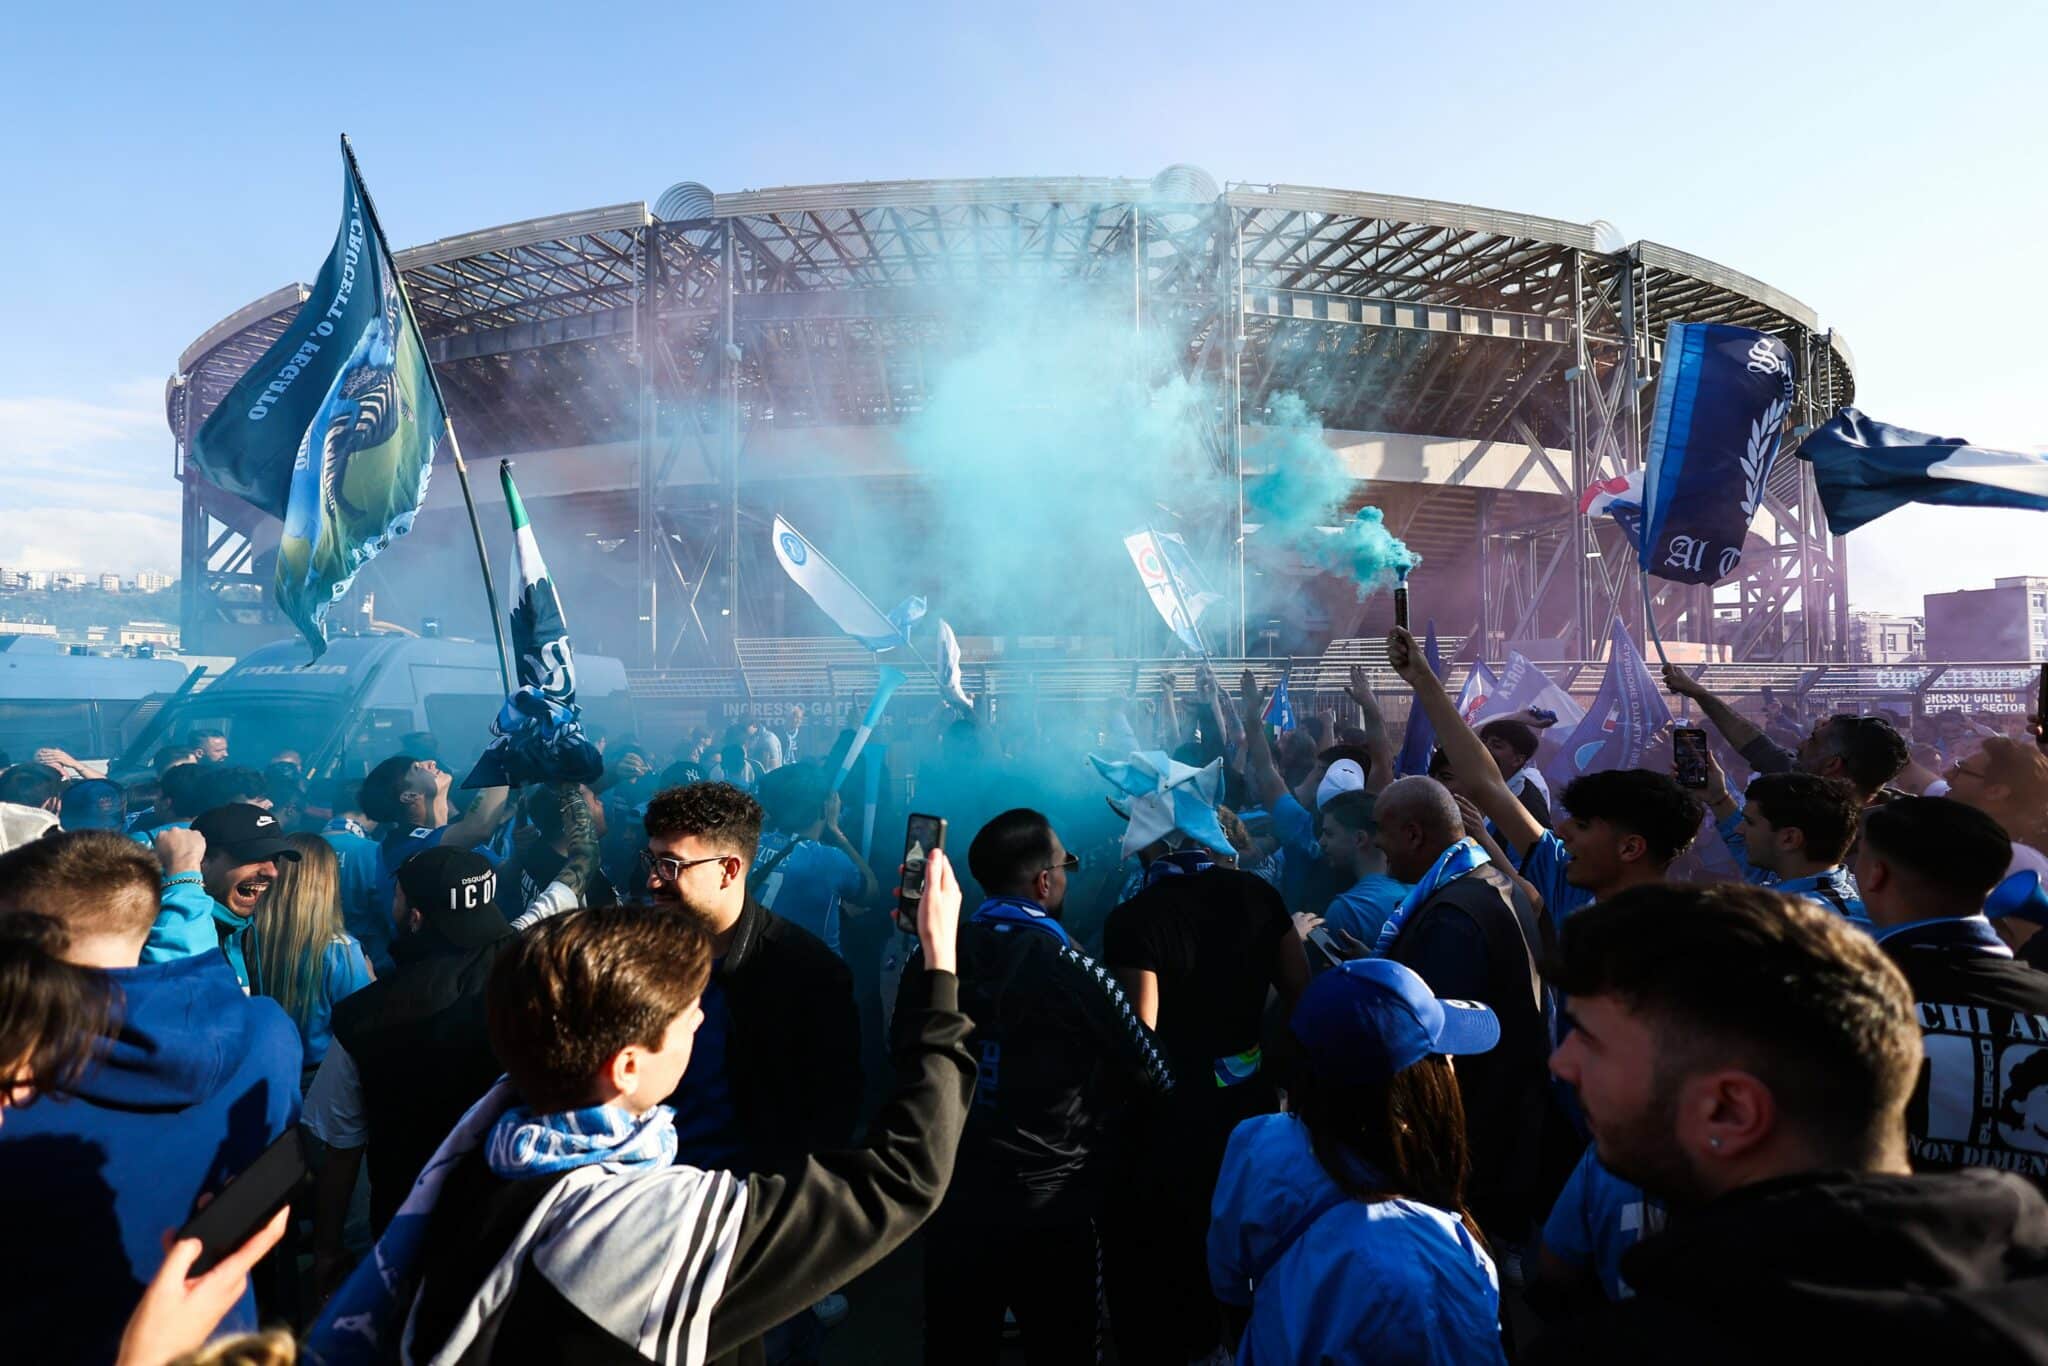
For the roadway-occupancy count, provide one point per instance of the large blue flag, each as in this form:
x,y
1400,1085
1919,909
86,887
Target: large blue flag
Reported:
x,y
1721,405
1626,715
1420,740
1865,468
333,429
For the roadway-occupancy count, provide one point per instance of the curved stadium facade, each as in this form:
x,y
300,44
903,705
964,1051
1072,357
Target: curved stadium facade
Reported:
x,y
669,378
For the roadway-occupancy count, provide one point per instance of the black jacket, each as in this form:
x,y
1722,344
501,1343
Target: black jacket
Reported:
x,y
1984,1085
1478,939
800,1235
1061,1052
793,1060
421,1045
1829,1266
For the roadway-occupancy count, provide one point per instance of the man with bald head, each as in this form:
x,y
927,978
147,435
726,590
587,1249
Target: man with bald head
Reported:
x,y
1469,932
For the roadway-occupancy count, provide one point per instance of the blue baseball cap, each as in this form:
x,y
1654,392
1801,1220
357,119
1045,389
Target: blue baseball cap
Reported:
x,y
1369,1019
93,804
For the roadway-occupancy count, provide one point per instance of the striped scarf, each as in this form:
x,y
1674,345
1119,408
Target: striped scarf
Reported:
x,y
1452,864
525,1144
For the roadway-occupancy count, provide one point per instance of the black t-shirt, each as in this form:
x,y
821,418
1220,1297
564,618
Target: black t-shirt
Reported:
x,y
1214,939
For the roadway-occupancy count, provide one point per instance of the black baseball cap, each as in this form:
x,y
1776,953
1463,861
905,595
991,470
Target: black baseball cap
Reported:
x,y
244,833
445,879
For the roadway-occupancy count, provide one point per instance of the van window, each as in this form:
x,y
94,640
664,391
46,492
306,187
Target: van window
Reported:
x,y
27,725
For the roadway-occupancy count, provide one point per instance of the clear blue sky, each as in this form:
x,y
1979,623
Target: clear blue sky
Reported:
x,y
166,164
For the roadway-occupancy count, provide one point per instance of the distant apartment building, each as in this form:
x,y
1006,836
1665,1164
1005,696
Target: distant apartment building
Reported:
x,y
1885,638
71,581
2008,620
110,583
35,580
149,581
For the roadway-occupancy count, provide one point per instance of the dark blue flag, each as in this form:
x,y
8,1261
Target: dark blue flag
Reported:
x,y
1865,468
333,428
1420,741
1626,715
1721,406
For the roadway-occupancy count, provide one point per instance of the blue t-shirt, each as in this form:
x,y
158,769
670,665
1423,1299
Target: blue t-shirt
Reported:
x,y
368,921
1543,866
1295,827
1363,907
805,887
1597,1218
343,971
707,1122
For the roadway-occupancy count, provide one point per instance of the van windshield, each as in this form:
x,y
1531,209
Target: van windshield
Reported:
x,y
257,726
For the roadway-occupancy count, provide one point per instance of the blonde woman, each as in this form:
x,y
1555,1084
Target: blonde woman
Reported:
x,y
299,955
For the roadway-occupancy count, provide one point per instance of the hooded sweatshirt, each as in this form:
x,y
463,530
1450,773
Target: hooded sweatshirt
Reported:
x,y
1832,1266
200,1078
1338,1281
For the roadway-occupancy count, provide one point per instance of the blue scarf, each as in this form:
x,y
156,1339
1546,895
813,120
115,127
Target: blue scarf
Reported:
x,y
1179,863
1452,864
1967,935
1014,912
525,1144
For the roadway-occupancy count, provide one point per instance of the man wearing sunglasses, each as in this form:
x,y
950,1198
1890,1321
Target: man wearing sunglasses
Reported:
x,y
775,1071
1061,1052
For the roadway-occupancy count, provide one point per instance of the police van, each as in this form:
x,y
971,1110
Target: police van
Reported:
x,y
361,701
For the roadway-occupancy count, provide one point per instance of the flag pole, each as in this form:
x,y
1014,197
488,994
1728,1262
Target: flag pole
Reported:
x,y
483,558
1173,582
1650,620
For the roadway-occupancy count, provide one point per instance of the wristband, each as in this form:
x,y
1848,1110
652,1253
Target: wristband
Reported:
x,y
173,879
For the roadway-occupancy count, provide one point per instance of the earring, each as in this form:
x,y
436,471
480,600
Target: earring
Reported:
x,y
1714,1143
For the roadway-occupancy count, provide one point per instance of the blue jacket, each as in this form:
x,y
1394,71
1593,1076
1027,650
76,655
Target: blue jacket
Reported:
x,y
1335,1280
200,1078
189,923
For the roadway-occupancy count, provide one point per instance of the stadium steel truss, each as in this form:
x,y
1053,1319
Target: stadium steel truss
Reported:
x,y
1475,369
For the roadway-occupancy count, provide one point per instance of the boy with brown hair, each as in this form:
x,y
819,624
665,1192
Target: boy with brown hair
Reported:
x,y
554,1224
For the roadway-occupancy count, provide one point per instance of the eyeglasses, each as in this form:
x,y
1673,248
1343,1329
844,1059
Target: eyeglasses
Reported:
x,y
1067,865
1956,770
672,869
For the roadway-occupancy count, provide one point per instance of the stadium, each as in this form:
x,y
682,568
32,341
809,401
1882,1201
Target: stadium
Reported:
x,y
669,378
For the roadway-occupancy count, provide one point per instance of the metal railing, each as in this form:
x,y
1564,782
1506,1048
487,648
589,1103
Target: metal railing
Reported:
x,y
835,669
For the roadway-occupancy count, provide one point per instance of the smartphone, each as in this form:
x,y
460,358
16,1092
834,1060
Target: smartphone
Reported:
x,y
247,1203
1689,756
921,835
1320,938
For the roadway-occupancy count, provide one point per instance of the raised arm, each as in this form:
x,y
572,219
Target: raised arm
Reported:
x,y
1735,728
1261,774
1374,724
1469,757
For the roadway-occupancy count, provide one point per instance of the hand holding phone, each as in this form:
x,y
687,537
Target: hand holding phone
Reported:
x,y
248,1202
921,835
1691,763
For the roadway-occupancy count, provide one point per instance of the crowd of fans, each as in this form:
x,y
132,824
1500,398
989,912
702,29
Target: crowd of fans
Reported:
x,y
1298,1060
